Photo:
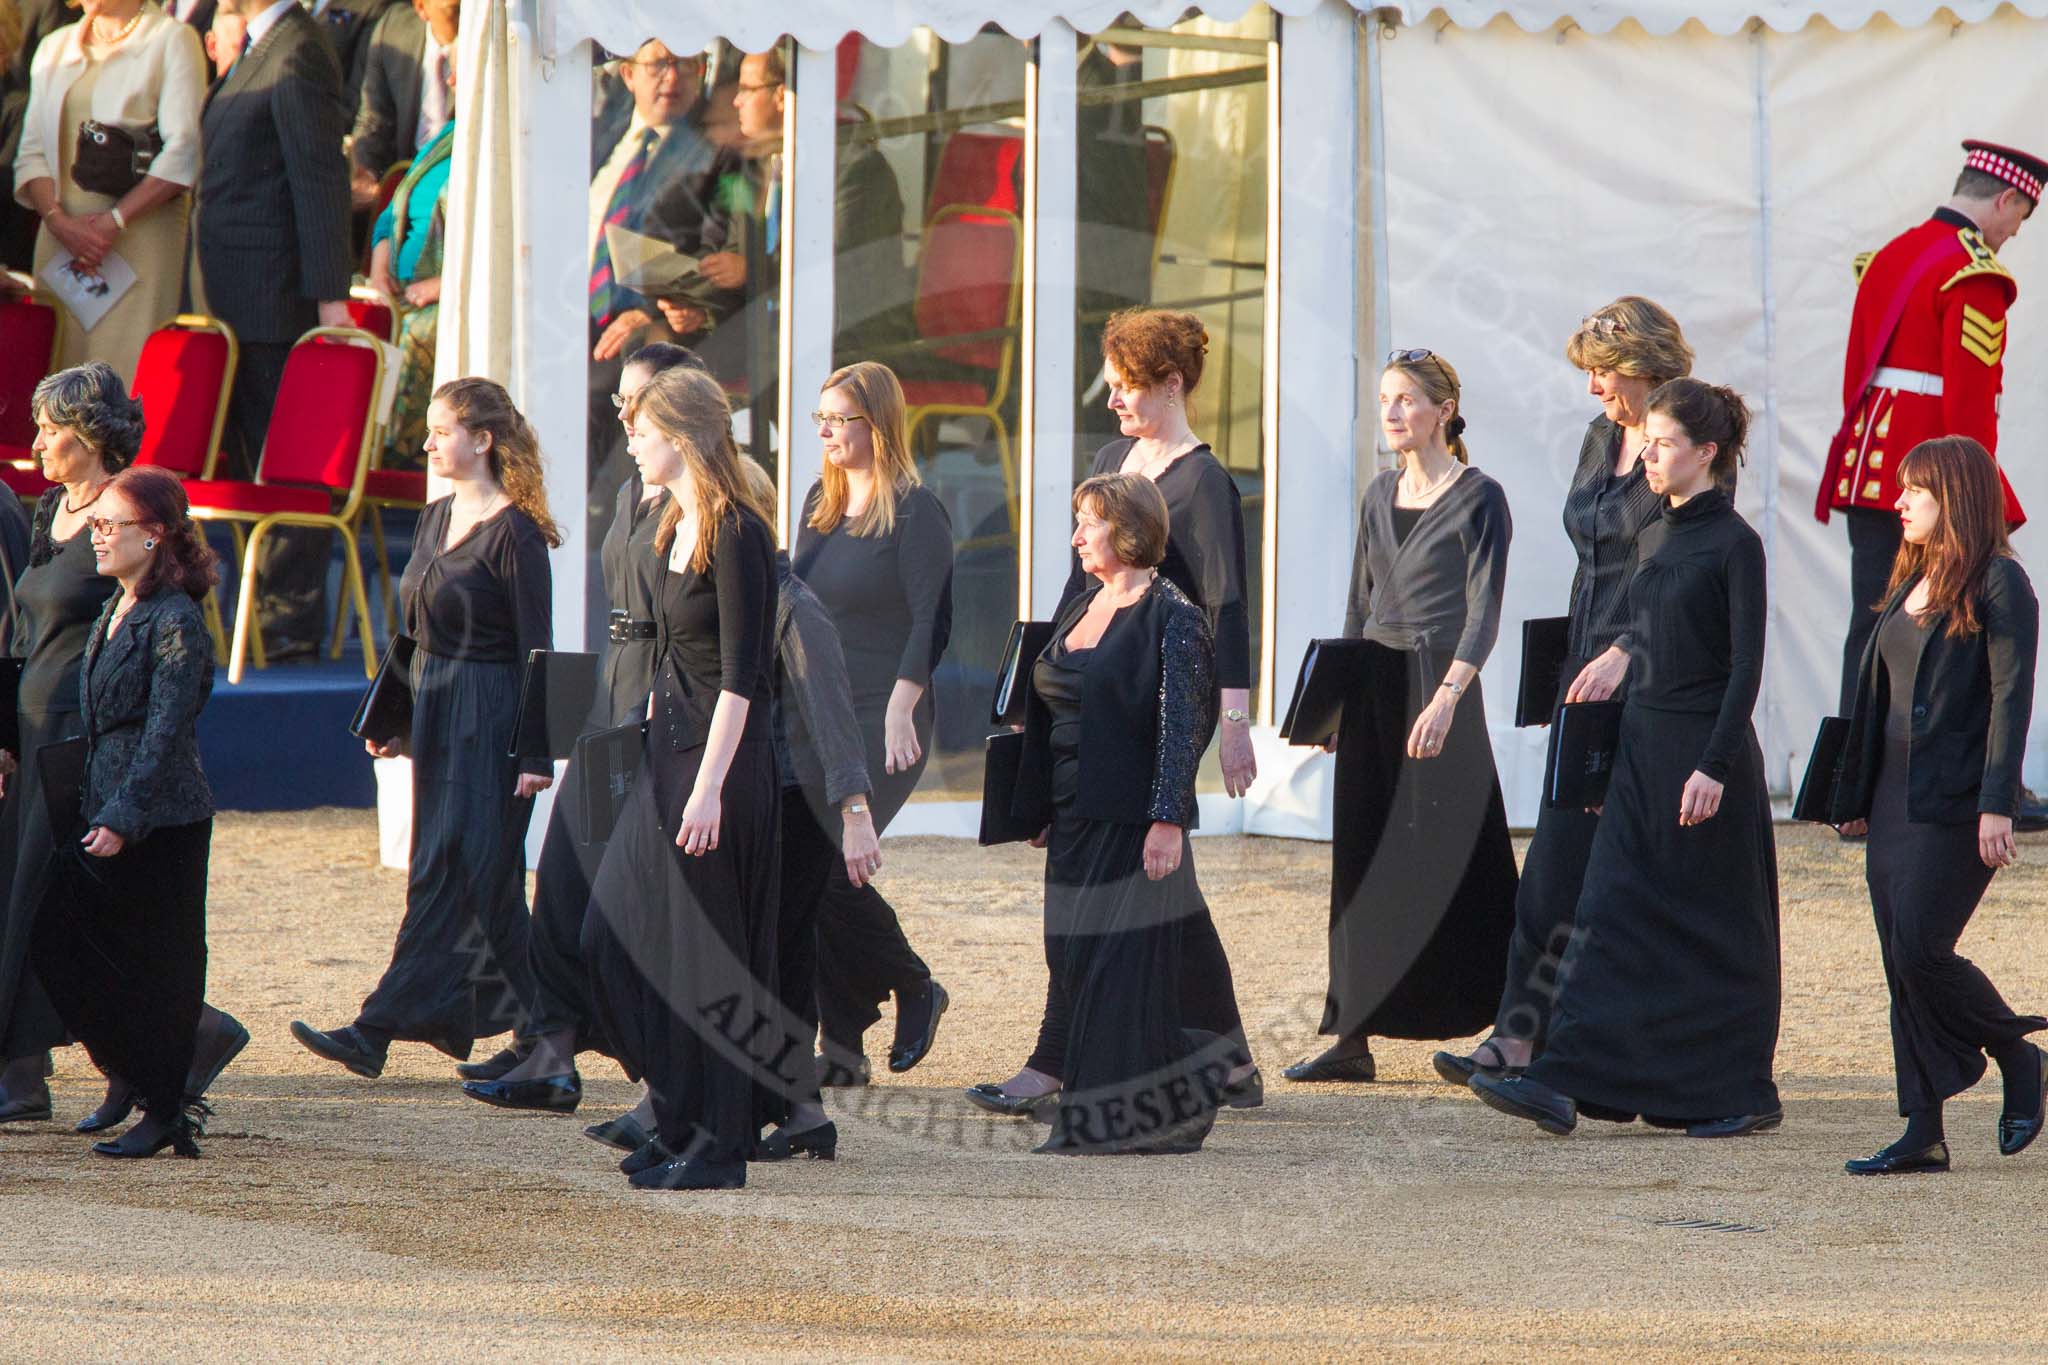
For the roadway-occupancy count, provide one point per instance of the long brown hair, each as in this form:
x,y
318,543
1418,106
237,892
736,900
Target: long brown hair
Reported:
x,y
878,397
689,409
483,405
1971,533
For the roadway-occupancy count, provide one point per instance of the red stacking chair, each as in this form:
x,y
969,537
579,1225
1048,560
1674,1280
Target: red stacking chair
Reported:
x,y
30,328
382,488
387,190
976,168
375,311
311,472
182,380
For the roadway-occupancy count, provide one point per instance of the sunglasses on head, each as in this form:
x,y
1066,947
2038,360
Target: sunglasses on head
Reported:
x,y
1601,326
1409,357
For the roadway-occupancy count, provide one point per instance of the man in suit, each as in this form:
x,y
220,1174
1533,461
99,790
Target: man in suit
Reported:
x,y
272,239
346,25
198,13
407,89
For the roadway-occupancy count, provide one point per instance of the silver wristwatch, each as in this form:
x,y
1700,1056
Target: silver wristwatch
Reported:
x,y
1237,715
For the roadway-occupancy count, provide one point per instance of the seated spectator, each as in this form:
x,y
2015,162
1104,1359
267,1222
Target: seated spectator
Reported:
x,y
140,74
407,90
405,262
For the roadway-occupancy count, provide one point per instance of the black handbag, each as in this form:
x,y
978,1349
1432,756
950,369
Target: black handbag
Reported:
x,y
110,159
385,713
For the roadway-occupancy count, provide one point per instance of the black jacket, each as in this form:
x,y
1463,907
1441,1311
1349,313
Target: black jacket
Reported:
x,y
1972,699
139,696
817,734
388,82
1148,709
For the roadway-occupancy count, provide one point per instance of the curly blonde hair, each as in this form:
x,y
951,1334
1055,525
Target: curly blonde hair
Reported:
x,y
1632,336
483,405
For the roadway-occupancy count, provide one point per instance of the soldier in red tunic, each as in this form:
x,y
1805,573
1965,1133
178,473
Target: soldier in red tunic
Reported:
x,y
1926,358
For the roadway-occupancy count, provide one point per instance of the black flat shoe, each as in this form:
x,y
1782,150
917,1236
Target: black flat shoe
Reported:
x,y
221,1050
548,1095
1459,1070
1249,1093
646,1157
693,1173
1519,1097
2016,1131
820,1143
992,1097
343,1045
493,1067
838,1075
27,1109
623,1132
1316,1069
1891,1161
917,1026
1741,1125
113,1111
151,1136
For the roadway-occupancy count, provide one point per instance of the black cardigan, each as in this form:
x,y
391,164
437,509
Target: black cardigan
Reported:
x,y
1972,699
1148,709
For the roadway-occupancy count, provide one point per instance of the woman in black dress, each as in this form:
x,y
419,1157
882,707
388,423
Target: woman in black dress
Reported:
x,y
1122,704
87,429
680,938
1627,349
1932,763
877,549
1152,361
120,939
1422,882
476,596
1671,1010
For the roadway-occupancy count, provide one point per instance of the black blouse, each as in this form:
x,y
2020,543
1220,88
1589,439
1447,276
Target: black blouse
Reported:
x,y
490,598
718,635
632,583
1604,517
1440,587
1205,553
57,601
891,596
1696,622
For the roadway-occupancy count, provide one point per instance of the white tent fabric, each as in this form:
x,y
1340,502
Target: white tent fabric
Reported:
x,y
1733,181
480,264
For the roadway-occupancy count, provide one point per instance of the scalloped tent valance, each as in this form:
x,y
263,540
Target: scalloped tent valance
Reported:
x,y
683,24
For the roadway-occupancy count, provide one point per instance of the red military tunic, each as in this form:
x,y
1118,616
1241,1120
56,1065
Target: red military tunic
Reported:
x,y
1952,329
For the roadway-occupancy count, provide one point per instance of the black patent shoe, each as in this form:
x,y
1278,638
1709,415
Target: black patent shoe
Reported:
x,y
623,1132
820,1142
1519,1097
1892,1161
548,1095
1740,1125
153,1135
1459,1069
113,1111
992,1097
1322,1069
344,1045
646,1157
693,1173
26,1109
1249,1093
2017,1131
493,1067
216,1053
917,1025
842,1075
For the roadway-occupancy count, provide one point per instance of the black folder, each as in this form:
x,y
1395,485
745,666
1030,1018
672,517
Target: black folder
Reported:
x,y
61,769
1332,673
1005,760
10,705
607,763
1816,797
1581,755
385,713
1545,642
1028,640
555,697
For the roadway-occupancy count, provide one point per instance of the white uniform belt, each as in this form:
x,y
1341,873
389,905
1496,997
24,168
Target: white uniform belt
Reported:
x,y
1906,381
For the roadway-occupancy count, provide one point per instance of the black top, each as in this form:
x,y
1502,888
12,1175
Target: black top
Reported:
x,y
891,596
488,598
1899,643
633,572
1204,550
141,691
57,600
1441,586
1057,677
1404,520
718,635
1696,622
1604,516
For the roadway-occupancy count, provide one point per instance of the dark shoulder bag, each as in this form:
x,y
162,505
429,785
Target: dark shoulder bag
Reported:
x,y
111,160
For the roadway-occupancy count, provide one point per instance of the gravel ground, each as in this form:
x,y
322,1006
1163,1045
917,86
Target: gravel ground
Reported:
x,y
337,1218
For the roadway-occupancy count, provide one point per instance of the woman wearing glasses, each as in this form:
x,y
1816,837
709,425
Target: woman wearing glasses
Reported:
x,y
1627,349
1422,885
877,548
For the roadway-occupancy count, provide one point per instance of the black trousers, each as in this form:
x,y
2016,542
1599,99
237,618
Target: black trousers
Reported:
x,y
120,946
561,900
1925,882
291,568
810,853
1874,539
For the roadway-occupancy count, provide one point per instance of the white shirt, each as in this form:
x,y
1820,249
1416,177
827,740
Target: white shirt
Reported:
x,y
261,25
435,110
607,178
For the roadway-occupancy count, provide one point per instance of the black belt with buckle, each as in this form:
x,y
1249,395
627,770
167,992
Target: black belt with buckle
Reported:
x,y
624,627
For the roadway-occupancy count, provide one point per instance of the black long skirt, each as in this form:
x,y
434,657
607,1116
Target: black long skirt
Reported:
x,y
459,971
29,1023
561,899
810,854
120,946
1133,1076
1671,1007
1422,876
681,952
1925,882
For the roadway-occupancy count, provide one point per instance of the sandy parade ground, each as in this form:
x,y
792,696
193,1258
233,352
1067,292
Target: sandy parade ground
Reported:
x,y
336,1218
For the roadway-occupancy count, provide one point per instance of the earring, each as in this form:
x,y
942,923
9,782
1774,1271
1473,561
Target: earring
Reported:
x,y
149,542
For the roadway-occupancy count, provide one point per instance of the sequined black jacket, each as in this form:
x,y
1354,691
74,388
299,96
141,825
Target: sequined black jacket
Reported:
x,y
1148,710
140,694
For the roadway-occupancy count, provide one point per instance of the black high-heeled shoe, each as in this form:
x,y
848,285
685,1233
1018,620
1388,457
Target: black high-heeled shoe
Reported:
x,y
114,1109
180,1133
2016,1132
821,1143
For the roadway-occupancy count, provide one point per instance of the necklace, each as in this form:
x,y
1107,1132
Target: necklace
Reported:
x,y
97,489
119,34
1448,475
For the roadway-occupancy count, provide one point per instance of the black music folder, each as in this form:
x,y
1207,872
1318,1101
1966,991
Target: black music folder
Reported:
x,y
1028,640
10,705
61,768
607,763
1581,755
555,697
1004,763
1332,672
385,712
1816,797
1545,642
